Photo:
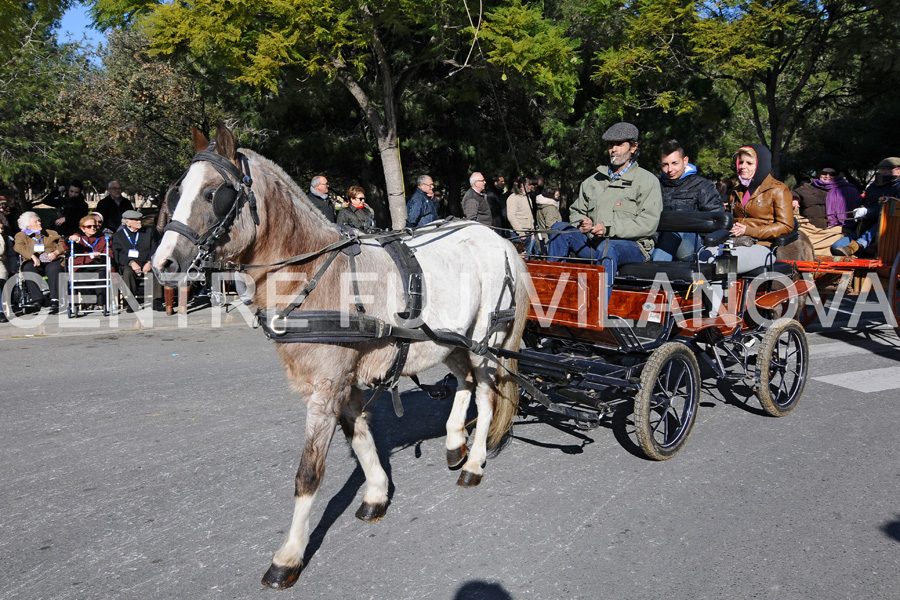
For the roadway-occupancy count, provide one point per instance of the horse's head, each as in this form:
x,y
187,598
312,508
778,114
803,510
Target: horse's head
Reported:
x,y
213,209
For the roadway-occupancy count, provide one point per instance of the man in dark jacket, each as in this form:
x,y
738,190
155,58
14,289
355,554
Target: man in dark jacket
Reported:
x,y
112,205
421,208
682,189
70,212
474,204
133,245
318,195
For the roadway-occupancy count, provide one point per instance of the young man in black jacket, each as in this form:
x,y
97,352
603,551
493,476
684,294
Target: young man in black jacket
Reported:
x,y
682,189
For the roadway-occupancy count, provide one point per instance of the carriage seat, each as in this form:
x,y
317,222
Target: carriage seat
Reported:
x,y
715,226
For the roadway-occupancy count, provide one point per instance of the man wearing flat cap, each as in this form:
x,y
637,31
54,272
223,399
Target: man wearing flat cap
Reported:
x,y
886,185
133,245
615,215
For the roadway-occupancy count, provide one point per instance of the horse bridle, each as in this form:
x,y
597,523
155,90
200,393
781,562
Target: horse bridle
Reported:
x,y
227,201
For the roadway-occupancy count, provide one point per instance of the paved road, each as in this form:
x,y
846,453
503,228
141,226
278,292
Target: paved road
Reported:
x,y
159,464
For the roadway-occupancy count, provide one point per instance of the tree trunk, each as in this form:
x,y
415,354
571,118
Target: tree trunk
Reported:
x,y
389,148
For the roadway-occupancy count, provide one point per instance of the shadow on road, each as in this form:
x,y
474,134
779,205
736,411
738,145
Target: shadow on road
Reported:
x,y
481,590
892,529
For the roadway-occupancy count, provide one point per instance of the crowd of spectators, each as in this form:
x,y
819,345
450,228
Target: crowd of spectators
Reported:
x,y
612,218
112,237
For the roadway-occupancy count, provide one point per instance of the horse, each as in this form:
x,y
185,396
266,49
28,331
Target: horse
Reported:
x,y
469,274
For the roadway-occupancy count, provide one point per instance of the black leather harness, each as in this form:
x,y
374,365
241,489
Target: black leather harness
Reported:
x,y
334,327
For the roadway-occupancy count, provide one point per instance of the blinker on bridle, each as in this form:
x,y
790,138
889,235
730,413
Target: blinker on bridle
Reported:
x,y
227,201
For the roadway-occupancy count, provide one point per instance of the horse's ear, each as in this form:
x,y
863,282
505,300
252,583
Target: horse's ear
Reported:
x,y
200,140
225,142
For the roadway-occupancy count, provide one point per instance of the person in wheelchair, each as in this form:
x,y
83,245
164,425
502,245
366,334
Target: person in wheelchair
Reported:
x,y
761,205
42,251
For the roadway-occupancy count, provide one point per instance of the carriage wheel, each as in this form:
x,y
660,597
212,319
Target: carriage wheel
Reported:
x,y
894,292
665,408
782,363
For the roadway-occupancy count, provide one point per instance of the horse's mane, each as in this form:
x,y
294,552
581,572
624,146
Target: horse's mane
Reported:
x,y
296,195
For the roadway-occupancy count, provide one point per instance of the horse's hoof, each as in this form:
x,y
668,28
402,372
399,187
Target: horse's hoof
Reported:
x,y
468,479
281,578
457,456
371,512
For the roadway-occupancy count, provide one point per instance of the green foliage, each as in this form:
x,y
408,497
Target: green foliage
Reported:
x,y
520,39
135,113
33,74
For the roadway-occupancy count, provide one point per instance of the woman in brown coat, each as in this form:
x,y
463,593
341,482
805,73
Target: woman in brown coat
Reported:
x,y
42,251
761,206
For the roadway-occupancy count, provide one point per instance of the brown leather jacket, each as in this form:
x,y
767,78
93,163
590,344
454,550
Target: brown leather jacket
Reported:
x,y
768,213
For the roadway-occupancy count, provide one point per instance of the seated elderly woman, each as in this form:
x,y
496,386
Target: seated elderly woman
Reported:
x,y
357,214
761,206
42,252
89,244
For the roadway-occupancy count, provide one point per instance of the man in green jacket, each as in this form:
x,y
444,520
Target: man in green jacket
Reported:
x,y
614,218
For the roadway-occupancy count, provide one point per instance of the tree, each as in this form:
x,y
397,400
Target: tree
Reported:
x,y
133,114
374,49
34,69
792,61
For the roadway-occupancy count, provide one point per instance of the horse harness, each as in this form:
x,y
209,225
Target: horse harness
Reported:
x,y
335,327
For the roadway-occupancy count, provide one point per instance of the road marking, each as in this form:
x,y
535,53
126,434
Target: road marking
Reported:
x,y
835,349
871,380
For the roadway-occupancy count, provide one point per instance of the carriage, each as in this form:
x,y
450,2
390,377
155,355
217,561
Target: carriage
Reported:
x,y
585,358
837,275
356,312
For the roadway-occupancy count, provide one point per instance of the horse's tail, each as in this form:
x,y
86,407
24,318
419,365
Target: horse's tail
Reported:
x,y
506,403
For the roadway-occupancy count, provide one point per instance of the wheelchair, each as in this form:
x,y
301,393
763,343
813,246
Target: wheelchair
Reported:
x,y
18,300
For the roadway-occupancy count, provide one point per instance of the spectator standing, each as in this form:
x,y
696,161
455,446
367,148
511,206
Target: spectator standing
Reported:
x,y
133,245
112,205
42,252
682,189
318,195
4,273
520,212
825,204
474,204
357,214
495,195
617,210
886,185
422,207
73,208
547,212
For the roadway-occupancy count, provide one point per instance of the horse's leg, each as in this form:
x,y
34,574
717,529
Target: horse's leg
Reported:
x,y
456,423
355,424
321,421
485,396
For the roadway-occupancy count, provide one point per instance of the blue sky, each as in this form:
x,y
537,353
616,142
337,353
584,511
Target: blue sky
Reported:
x,y
76,23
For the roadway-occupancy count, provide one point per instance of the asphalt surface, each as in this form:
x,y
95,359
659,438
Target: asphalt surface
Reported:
x,y
159,462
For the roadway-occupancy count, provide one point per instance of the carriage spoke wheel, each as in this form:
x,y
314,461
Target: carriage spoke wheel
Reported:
x,y
894,292
782,363
665,408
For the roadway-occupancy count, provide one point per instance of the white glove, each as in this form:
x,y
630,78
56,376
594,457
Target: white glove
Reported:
x,y
859,213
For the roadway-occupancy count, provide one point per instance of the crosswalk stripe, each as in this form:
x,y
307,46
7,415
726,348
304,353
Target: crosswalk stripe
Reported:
x,y
835,349
870,380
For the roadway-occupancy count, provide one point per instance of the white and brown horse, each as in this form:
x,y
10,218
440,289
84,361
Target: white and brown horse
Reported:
x,y
465,272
